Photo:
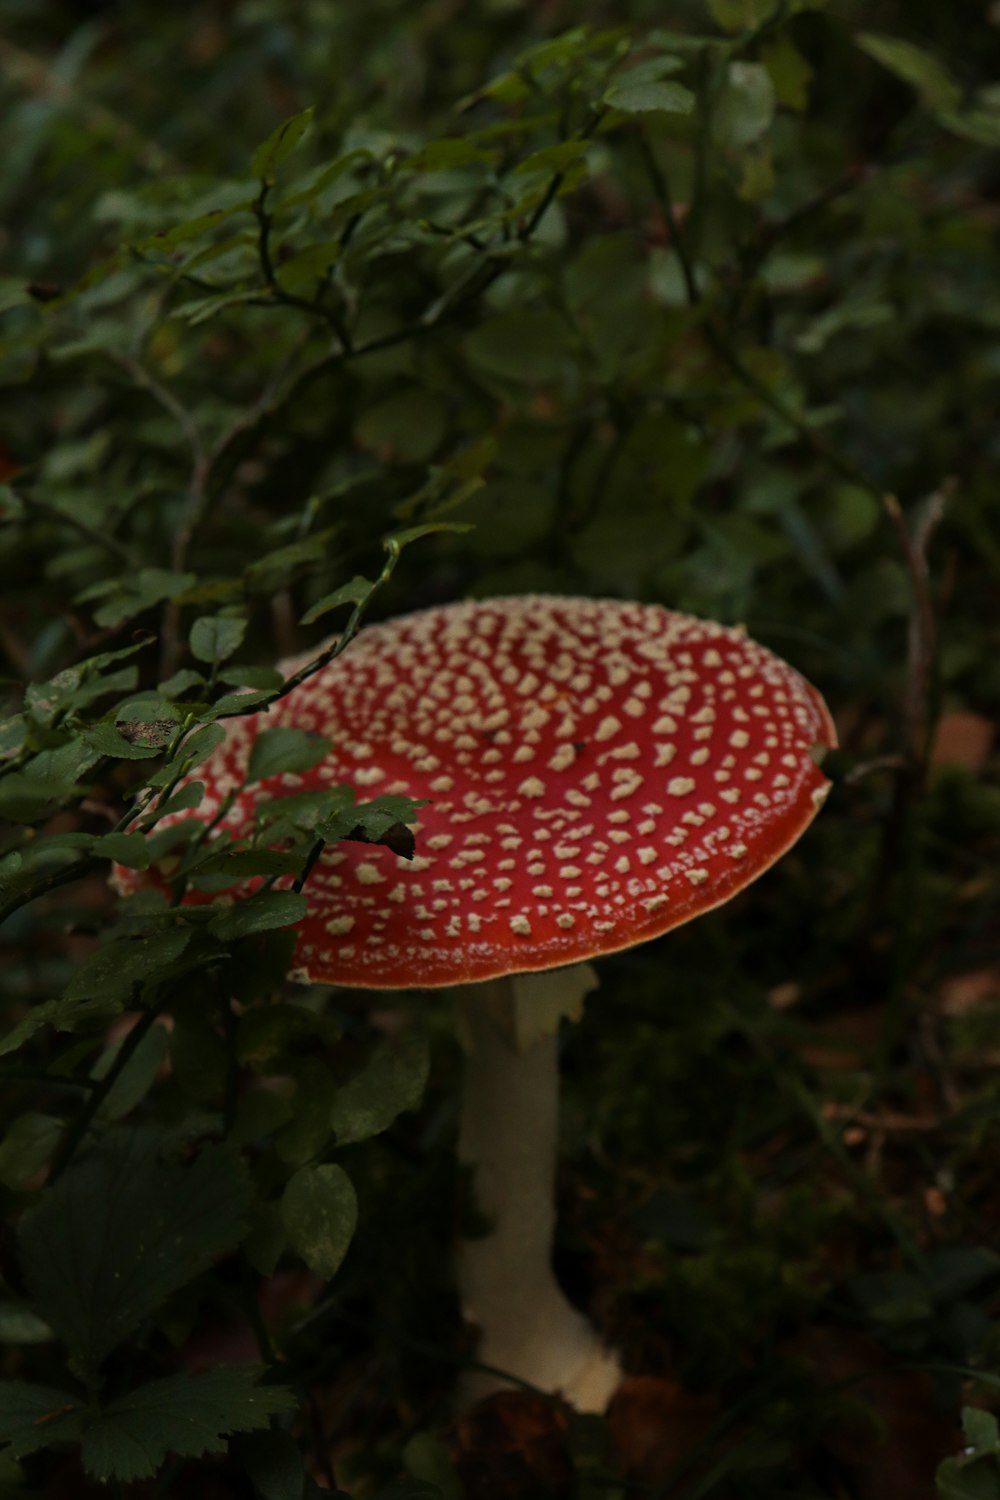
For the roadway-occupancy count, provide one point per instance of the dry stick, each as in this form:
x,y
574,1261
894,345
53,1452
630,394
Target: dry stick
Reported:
x,y
899,855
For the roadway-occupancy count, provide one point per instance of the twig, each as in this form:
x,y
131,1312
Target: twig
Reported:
x,y
281,294
74,1137
76,523
722,347
922,634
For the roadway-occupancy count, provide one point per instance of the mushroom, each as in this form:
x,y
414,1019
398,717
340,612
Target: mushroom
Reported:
x,y
597,772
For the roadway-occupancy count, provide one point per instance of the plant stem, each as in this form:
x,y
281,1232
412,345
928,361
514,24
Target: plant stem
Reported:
x,y
74,1137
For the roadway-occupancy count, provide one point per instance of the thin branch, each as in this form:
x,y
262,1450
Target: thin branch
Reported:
x,y
922,633
74,1137
76,523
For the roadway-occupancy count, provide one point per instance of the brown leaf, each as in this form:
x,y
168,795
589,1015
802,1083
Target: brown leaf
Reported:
x,y
962,739
511,1446
654,1423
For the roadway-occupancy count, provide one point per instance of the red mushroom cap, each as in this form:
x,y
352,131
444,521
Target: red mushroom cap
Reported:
x,y
597,773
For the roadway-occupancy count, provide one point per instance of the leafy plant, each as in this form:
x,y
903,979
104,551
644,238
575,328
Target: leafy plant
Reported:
x,y
352,315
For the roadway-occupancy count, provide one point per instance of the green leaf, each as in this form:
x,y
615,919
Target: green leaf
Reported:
x,y
137,1077
745,107
280,144
129,849
393,1080
524,347
384,820
911,64
273,1464
33,1416
187,1415
105,739
258,914
788,71
215,637
271,1036
28,1146
319,1209
196,748
19,1326
120,1231
64,1015
283,749
185,797
644,97
414,533
740,15
981,1430
116,967
355,592
957,1479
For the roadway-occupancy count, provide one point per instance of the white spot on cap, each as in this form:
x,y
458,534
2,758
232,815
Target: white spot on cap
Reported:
x,y
664,755
697,877
739,739
562,758
532,787
337,926
565,920
607,727
521,926
368,874
680,786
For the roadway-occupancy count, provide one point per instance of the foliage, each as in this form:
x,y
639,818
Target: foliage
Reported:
x,y
315,313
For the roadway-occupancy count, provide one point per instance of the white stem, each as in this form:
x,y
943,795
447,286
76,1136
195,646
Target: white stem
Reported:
x,y
508,1137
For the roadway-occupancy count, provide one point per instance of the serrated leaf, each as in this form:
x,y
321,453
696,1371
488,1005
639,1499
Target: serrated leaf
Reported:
x,y
258,914
187,1415
284,749
355,592
649,96
280,144
33,1416
120,1231
319,1209
393,1080
213,638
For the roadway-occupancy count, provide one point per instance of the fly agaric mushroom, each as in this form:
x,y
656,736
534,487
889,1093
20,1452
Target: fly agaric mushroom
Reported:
x,y
595,774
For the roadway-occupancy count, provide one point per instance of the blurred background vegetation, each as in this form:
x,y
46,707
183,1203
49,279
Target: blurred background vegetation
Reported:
x,y
693,304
